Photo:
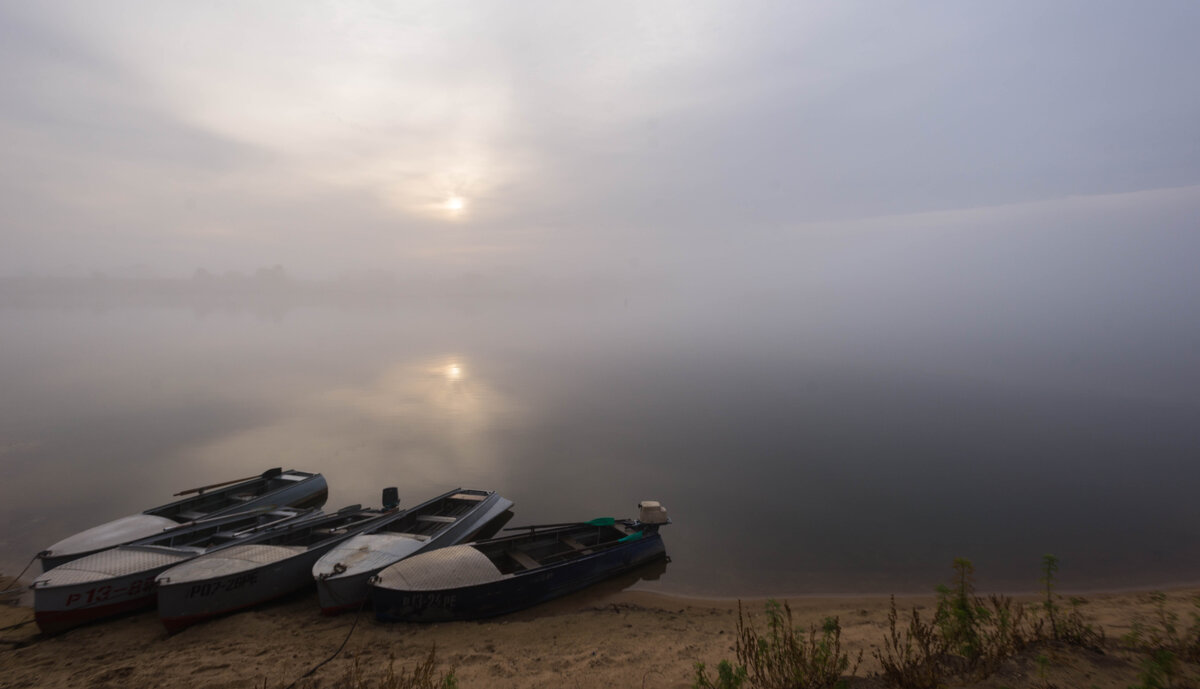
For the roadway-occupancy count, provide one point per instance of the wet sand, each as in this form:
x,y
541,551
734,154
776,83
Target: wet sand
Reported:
x,y
604,637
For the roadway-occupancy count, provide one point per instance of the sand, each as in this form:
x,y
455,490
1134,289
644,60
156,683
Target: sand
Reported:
x,y
604,637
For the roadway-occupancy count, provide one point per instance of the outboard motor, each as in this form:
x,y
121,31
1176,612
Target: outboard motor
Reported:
x,y
391,498
651,513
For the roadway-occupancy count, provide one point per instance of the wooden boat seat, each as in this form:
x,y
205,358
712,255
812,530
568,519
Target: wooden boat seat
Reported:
x,y
523,559
468,496
575,545
436,518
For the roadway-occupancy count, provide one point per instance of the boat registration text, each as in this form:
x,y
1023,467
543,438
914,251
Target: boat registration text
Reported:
x,y
224,585
101,594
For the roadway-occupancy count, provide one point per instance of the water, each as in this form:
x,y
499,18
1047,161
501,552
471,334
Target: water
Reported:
x,y
804,441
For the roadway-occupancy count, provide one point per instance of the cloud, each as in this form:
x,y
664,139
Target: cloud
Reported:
x,y
330,137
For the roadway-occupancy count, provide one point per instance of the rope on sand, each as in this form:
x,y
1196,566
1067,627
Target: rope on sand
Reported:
x,y
339,650
11,627
17,580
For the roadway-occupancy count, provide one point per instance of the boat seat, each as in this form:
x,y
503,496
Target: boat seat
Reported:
x,y
575,545
242,497
417,536
191,516
468,496
524,559
436,518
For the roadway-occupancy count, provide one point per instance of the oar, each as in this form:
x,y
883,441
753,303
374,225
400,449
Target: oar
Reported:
x,y
598,521
269,473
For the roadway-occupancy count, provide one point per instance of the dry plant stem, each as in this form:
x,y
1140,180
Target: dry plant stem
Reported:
x,y
913,658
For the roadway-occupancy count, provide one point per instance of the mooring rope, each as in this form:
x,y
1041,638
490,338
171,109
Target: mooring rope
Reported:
x,y
17,579
12,627
339,650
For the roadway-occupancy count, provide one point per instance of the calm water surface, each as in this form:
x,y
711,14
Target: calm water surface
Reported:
x,y
834,444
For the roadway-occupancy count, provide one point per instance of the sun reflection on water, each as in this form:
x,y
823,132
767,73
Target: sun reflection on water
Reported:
x,y
428,414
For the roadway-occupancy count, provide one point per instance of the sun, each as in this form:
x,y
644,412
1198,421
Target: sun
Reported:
x,y
455,204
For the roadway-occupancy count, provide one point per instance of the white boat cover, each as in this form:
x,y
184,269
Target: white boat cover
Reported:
x,y
367,553
107,564
238,558
112,533
448,568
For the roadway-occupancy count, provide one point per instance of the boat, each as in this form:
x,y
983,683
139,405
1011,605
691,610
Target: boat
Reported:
x,y
342,574
244,575
274,487
503,575
121,579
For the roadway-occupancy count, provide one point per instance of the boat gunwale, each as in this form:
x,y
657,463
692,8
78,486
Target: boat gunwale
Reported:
x,y
305,550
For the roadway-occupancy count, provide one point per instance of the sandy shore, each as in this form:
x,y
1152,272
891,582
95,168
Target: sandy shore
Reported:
x,y
599,638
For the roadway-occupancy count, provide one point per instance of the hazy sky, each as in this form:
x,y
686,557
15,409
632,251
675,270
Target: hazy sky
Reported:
x,y
555,137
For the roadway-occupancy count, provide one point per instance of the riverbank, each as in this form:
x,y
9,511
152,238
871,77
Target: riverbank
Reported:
x,y
599,638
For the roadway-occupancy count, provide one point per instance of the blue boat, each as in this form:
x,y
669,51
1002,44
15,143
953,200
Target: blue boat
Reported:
x,y
503,575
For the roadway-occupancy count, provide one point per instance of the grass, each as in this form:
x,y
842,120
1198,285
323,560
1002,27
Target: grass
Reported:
x,y
1166,644
423,675
1066,623
782,656
912,656
967,639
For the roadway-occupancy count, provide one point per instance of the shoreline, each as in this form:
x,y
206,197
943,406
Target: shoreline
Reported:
x,y
601,637
1012,593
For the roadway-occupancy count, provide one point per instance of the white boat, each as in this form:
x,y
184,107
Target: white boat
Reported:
x,y
122,578
342,574
274,488
244,575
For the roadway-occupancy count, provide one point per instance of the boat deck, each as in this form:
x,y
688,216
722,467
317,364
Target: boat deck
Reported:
x,y
518,554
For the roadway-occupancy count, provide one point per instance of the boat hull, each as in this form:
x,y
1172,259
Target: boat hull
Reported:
x,y
123,578
184,603
515,592
58,620
344,593
350,589
58,608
